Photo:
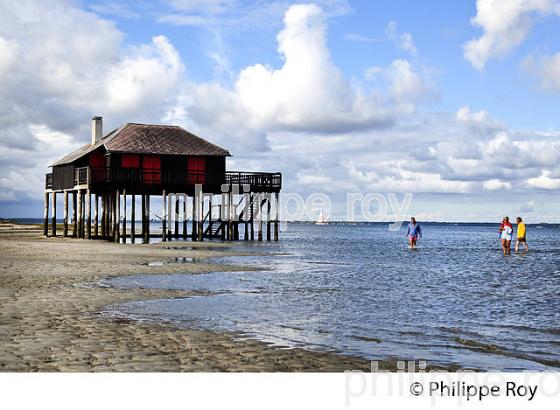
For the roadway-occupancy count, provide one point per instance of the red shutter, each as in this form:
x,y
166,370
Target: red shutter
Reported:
x,y
152,169
130,161
97,160
97,165
196,170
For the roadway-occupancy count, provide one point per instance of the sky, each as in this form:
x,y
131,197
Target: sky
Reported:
x,y
454,102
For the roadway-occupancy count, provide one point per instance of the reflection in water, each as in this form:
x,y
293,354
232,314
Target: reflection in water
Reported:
x,y
358,290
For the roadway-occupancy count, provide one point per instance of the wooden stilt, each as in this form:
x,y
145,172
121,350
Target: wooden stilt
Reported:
x,y
75,214
117,217
276,215
83,213
245,216
65,215
230,216
113,222
176,233
252,217
210,222
147,218
46,216
185,217
144,237
223,215
110,209
79,214
88,214
260,218
193,223
164,217
268,219
96,217
103,213
201,217
124,217
169,214
53,214
133,218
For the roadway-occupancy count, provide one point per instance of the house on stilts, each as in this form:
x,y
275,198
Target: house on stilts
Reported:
x,y
198,197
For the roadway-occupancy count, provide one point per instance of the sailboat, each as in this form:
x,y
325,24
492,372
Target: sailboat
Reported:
x,y
322,220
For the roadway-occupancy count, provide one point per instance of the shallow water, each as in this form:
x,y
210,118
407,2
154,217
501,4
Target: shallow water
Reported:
x,y
358,290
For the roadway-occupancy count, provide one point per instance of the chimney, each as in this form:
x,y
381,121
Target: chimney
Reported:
x,y
96,129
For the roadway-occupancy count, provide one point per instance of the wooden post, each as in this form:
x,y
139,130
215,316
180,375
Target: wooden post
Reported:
x,y
133,219
259,215
124,217
65,214
88,214
185,216
112,211
164,217
53,214
245,216
268,209
144,239
103,209
96,217
276,215
147,218
46,216
201,217
194,227
74,214
84,214
230,215
176,217
110,208
210,222
169,214
79,214
252,217
223,215
117,224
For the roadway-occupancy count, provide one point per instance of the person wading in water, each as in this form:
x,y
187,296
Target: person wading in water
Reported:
x,y
413,232
521,235
506,234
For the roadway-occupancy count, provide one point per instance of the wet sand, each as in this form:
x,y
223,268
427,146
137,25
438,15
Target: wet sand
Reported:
x,y
49,296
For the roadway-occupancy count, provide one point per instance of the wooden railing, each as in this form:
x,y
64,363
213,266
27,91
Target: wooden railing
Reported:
x,y
48,181
136,177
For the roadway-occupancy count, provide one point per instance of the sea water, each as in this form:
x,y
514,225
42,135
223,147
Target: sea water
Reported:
x,y
359,290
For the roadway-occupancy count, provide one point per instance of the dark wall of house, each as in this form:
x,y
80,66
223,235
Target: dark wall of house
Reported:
x,y
172,176
63,177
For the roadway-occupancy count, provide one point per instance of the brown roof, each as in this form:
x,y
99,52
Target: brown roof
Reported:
x,y
149,139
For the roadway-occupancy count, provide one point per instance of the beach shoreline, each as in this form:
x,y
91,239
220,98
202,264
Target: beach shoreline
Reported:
x,y
50,299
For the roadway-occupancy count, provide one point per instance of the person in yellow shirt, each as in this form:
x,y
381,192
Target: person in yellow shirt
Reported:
x,y
521,235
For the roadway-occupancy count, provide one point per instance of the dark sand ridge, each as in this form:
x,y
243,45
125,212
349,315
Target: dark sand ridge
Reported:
x,y
49,296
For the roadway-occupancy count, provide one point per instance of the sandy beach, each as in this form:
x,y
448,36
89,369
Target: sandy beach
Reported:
x,y
50,295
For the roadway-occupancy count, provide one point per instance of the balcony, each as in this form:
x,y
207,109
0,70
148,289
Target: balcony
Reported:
x,y
152,181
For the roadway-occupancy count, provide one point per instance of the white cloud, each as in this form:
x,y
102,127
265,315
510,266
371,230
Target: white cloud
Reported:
x,y
149,74
506,24
406,86
309,91
7,55
544,181
402,40
547,70
495,184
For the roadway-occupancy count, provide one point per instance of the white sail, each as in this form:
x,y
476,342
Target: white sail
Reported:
x,y
322,220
